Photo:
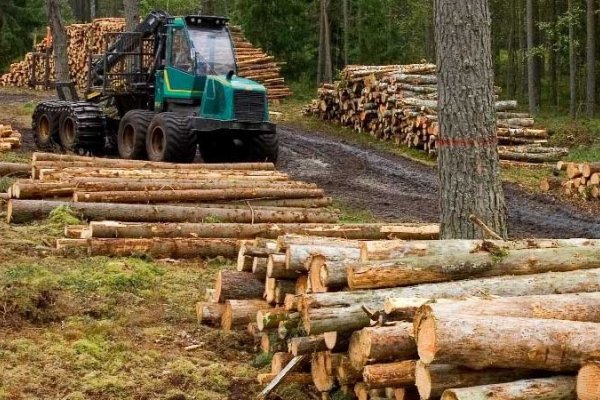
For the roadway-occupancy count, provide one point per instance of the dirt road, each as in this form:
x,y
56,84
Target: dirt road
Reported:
x,y
395,188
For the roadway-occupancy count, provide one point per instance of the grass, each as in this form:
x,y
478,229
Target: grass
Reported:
x,y
582,135
112,328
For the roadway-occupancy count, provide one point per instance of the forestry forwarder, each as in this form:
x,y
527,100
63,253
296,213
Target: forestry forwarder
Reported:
x,y
160,92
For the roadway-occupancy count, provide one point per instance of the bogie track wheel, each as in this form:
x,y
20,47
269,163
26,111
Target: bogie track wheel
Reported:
x,y
45,123
131,139
171,139
262,147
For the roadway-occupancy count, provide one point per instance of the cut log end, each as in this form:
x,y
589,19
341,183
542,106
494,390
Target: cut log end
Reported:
x,y
426,343
588,382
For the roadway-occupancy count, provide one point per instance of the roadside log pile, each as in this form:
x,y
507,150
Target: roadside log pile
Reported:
x,y
88,39
416,318
398,103
10,139
580,180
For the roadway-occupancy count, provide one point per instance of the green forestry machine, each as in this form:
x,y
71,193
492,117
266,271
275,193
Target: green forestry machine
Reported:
x,y
161,92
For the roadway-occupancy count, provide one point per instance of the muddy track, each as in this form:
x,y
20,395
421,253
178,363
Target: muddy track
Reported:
x,y
395,188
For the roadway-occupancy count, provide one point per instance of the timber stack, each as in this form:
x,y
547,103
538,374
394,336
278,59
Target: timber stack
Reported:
x,y
398,103
10,139
581,180
85,40
416,317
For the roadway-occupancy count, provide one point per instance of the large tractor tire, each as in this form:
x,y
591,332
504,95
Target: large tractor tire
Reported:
x,y
170,138
131,138
262,147
45,123
81,127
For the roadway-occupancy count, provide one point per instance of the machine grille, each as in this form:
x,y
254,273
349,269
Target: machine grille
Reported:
x,y
249,106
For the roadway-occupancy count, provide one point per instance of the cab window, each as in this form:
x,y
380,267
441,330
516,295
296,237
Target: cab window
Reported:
x,y
180,51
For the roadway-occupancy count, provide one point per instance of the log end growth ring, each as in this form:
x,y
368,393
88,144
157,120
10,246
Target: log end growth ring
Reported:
x,y
588,382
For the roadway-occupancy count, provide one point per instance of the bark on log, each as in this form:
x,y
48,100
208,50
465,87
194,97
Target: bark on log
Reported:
x,y
276,268
554,388
325,312
16,170
259,267
270,318
346,373
588,382
583,307
400,373
210,313
298,255
507,342
198,195
238,313
432,380
393,249
21,211
163,247
306,345
417,270
382,344
234,285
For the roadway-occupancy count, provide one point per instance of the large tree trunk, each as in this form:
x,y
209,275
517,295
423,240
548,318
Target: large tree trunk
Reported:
x,y
532,71
417,270
132,14
20,211
342,311
432,380
59,41
572,62
507,342
590,105
345,13
553,388
468,159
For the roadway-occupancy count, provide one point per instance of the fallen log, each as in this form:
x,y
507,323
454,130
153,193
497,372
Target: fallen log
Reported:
x,y
238,313
394,374
416,270
583,307
588,382
382,344
16,170
110,229
175,196
553,388
306,345
157,247
507,342
235,285
21,211
298,255
209,313
339,311
432,380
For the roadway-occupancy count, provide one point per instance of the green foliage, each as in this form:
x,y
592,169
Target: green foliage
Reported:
x,y
18,21
63,215
262,360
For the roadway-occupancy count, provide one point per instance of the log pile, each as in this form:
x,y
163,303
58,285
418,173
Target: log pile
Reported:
x,y
416,318
10,139
85,40
580,180
398,103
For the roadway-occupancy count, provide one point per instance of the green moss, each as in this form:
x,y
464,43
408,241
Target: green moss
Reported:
x,y
262,360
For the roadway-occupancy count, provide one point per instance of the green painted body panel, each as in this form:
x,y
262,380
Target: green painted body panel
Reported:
x,y
215,93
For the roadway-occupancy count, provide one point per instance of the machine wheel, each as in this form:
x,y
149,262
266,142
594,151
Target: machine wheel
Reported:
x,y
131,139
170,138
45,124
262,147
81,127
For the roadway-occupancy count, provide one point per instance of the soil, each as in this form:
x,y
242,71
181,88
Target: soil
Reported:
x,y
396,188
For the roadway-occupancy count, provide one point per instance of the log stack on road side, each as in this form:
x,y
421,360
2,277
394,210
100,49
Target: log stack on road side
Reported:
x,y
447,318
579,180
10,139
85,40
399,103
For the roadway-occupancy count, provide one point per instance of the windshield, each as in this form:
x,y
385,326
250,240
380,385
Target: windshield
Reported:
x,y
214,54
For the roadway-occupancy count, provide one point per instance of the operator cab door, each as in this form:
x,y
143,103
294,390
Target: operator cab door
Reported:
x,y
181,85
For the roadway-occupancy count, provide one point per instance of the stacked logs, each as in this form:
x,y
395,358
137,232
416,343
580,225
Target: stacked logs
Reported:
x,y
85,40
407,318
398,103
10,139
581,180
253,63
